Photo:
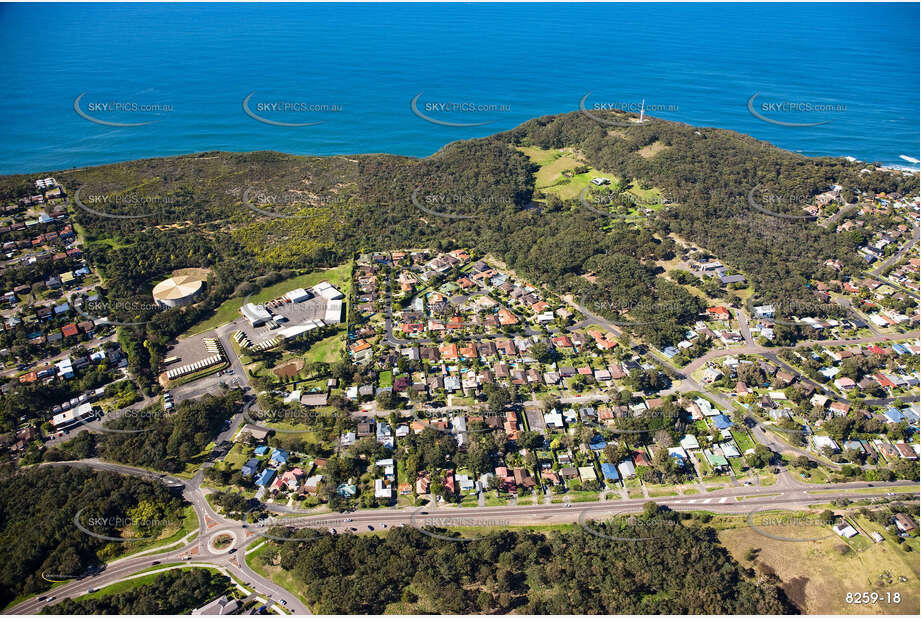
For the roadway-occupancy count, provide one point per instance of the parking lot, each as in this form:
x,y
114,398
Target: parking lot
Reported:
x,y
190,350
296,313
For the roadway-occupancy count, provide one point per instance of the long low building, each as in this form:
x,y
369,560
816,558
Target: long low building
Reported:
x,y
73,417
184,370
299,329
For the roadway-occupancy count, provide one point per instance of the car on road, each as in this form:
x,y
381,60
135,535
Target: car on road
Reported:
x,y
49,599
347,520
155,563
283,602
383,525
91,590
370,527
354,529
40,599
233,551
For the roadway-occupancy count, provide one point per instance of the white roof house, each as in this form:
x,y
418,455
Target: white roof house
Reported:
x,y
65,368
553,419
626,469
298,329
689,442
845,530
220,606
382,489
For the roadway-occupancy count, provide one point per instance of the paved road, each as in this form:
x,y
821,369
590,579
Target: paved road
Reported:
x,y
699,362
892,259
787,493
877,272
197,551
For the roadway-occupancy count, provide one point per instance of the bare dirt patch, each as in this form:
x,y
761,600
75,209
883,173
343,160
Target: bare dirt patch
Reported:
x,y
289,369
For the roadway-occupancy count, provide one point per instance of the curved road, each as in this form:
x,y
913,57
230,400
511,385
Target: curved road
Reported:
x,y
197,551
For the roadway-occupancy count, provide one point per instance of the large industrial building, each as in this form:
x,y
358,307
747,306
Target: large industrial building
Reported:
x,y
333,312
178,290
327,291
256,314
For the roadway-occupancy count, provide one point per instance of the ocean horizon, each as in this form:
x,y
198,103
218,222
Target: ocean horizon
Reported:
x,y
103,83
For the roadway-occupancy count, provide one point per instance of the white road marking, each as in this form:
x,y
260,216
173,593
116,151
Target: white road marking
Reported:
x,y
707,501
723,500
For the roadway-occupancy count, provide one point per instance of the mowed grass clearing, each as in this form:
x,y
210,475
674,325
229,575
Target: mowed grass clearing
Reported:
x,y
553,163
229,310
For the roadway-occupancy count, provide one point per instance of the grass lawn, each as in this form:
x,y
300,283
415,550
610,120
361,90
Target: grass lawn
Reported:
x,y
189,524
285,579
814,475
553,163
229,310
656,492
737,464
743,440
130,584
238,455
867,490
817,576
328,350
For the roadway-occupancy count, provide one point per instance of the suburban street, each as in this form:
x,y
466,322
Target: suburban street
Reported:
x,y
787,493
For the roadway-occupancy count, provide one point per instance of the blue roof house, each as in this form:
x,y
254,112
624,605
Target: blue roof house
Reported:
x,y
893,415
250,468
609,471
598,443
265,479
279,456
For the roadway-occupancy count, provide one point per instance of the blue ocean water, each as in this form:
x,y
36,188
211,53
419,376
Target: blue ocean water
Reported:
x,y
499,64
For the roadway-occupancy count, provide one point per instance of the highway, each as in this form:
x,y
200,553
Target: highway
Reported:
x,y
787,493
